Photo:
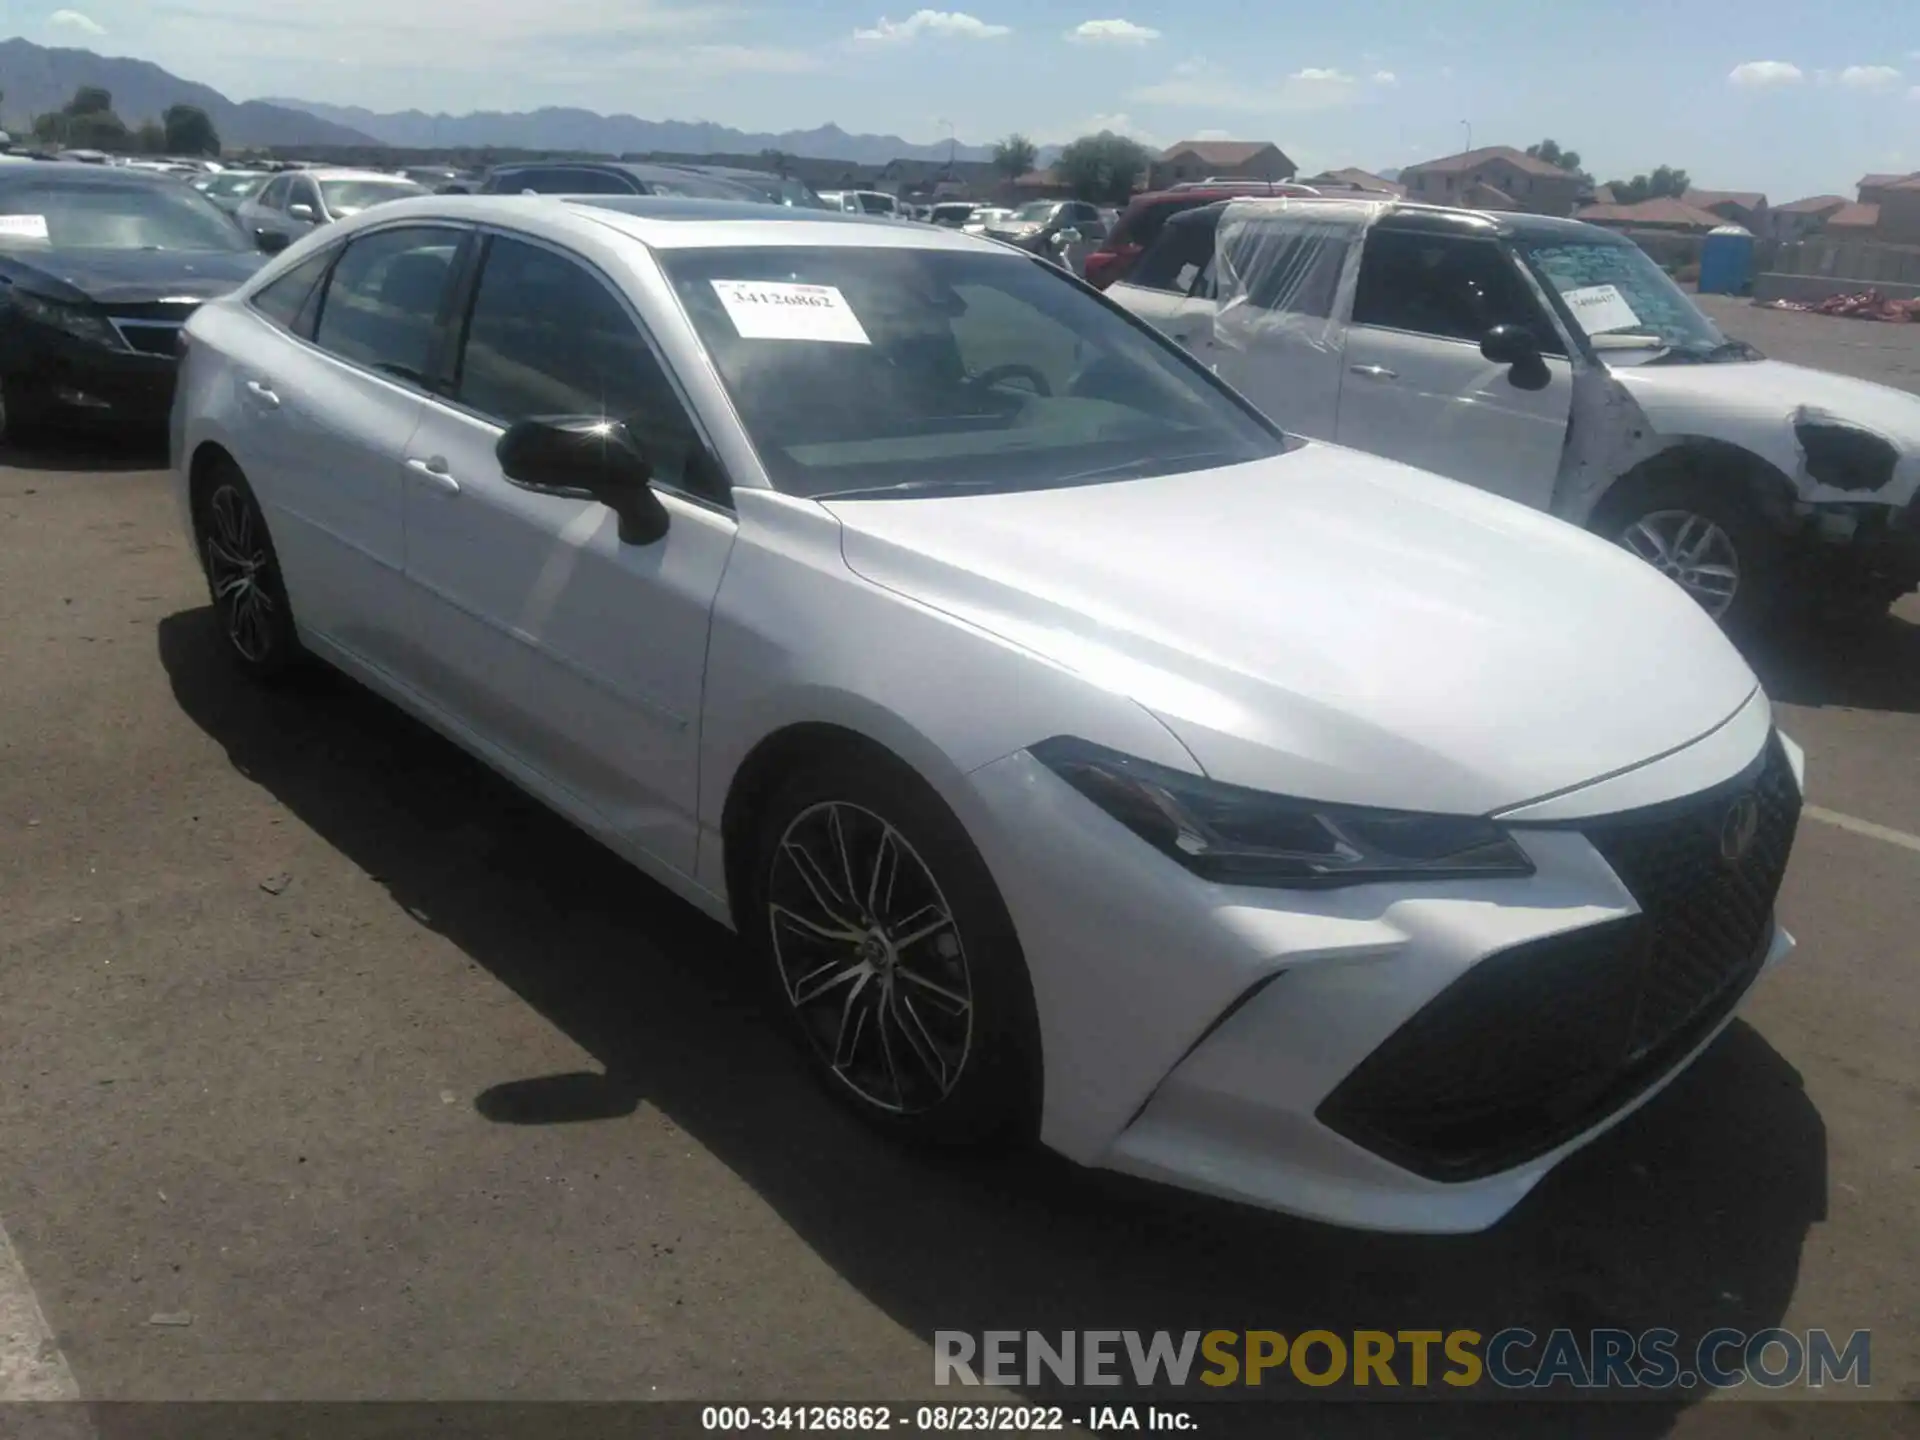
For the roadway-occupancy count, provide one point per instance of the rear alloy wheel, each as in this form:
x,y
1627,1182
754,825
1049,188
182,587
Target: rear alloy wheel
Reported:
x,y
892,954
243,577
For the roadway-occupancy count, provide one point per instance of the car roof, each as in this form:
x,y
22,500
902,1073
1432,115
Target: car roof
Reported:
x,y
345,172
81,171
663,222
1407,215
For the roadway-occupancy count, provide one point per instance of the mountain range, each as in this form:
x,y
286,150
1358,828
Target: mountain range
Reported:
x,y
570,129
36,79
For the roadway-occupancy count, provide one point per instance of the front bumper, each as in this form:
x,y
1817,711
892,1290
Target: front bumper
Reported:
x,y
75,383
1850,543
1373,1056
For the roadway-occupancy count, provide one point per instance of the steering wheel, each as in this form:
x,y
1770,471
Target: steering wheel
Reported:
x,y
1014,370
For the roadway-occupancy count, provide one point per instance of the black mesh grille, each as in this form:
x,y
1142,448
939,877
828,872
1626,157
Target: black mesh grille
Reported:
x,y
1537,1043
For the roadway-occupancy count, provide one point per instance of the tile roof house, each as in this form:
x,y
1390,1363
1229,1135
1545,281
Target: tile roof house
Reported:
x,y
1800,218
1205,159
1739,207
1526,182
1857,220
1352,178
1665,213
1872,189
1900,213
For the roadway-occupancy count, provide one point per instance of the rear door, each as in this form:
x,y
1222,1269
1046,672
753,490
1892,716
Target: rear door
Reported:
x,y
1275,336
331,411
579,655
1416,387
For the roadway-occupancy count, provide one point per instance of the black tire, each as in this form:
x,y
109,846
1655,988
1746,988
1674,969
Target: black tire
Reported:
x,y
983,1082
243,575
1642,503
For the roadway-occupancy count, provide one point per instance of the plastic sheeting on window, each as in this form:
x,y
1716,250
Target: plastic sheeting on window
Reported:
x,y
1285,270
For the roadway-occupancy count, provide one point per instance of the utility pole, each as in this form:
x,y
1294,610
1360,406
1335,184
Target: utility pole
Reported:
x,y
1467,125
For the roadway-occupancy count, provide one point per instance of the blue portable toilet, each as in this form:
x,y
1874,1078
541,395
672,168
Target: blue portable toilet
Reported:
x,y
1726,261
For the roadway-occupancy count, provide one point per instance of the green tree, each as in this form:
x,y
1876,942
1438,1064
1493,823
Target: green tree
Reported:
x,y
1014,156
1662,183
1568,160
151,138
90,100
189,131
1102,167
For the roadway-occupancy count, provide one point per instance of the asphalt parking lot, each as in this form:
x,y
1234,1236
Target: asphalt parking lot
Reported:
x,y
334,1069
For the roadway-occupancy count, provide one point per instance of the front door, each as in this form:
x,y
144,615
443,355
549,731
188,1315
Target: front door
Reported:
x,y
1415,386
580,656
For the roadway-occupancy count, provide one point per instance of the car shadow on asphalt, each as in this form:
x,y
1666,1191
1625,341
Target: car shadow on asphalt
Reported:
x,y
1689,1216
1876,667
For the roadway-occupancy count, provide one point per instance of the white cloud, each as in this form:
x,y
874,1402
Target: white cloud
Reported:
x,y
945,24
1762,74
1385,77
74,20
1197,85
1112,32
1870,77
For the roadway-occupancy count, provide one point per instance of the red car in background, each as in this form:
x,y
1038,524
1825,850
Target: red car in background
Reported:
x,y
1141,222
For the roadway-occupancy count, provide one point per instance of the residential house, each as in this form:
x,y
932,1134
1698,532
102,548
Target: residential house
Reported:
x,y
1872,189
1801,218
1602,195
1854,222
1745,208
1335,181
1666,213
1035,185
1208,159
1900,213
1495,173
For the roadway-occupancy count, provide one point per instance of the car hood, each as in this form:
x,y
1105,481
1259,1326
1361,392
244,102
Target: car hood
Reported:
x,y
1330,625
1756,405
132,276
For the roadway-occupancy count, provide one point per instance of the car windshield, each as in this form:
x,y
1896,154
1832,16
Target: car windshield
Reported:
x,y
874,204
350,197
1034,210
1627,306
75,215
907,371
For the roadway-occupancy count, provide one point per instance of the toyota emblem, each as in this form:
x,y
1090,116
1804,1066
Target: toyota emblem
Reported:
x,y
1739,829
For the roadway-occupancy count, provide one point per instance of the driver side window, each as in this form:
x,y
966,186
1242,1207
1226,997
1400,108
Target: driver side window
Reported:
x,y
1448,286
274,197
546,337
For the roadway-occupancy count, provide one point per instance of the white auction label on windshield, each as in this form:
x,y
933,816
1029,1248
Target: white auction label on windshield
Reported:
x,y
780,310
1600,308
25,227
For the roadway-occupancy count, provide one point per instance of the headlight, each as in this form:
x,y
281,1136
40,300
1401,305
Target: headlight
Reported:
x,y
1236,836
79,321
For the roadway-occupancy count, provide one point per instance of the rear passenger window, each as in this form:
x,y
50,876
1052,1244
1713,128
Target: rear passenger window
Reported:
x,y
547,337
1291,265
282,300
1182,254
383,301
591,182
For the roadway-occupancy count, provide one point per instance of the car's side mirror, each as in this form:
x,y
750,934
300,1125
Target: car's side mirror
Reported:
x,y
586,457
300,210
272,242
1516,346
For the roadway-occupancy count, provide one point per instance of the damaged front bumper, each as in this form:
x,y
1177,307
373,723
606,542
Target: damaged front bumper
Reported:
x,y
1855,544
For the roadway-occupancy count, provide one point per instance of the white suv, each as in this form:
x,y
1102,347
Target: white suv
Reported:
x,y
1556,364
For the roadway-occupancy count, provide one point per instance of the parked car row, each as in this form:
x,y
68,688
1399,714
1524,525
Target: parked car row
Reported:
x,y
1078,753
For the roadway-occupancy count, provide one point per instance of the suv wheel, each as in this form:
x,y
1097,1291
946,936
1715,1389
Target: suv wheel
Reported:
x,y
1703,535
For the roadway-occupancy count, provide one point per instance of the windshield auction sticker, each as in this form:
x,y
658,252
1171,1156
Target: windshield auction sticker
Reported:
x,y
1600,308
778,310
24,227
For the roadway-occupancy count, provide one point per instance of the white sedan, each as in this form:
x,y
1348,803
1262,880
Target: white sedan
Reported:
x,y
1080,756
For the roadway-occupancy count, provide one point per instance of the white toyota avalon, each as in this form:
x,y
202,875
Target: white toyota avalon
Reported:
x,y
1079,755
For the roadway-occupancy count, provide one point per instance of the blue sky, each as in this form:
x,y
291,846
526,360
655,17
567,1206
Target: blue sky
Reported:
x,y
1792,100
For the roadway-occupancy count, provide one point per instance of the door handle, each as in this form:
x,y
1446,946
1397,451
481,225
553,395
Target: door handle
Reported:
x,y
434,468
263,394
1375,372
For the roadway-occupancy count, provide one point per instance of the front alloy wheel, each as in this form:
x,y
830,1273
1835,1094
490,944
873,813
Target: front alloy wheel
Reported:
x,y
870,957
1692,551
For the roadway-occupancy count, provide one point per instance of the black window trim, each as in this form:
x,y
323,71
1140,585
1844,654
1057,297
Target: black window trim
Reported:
x,y
329,252
457,317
